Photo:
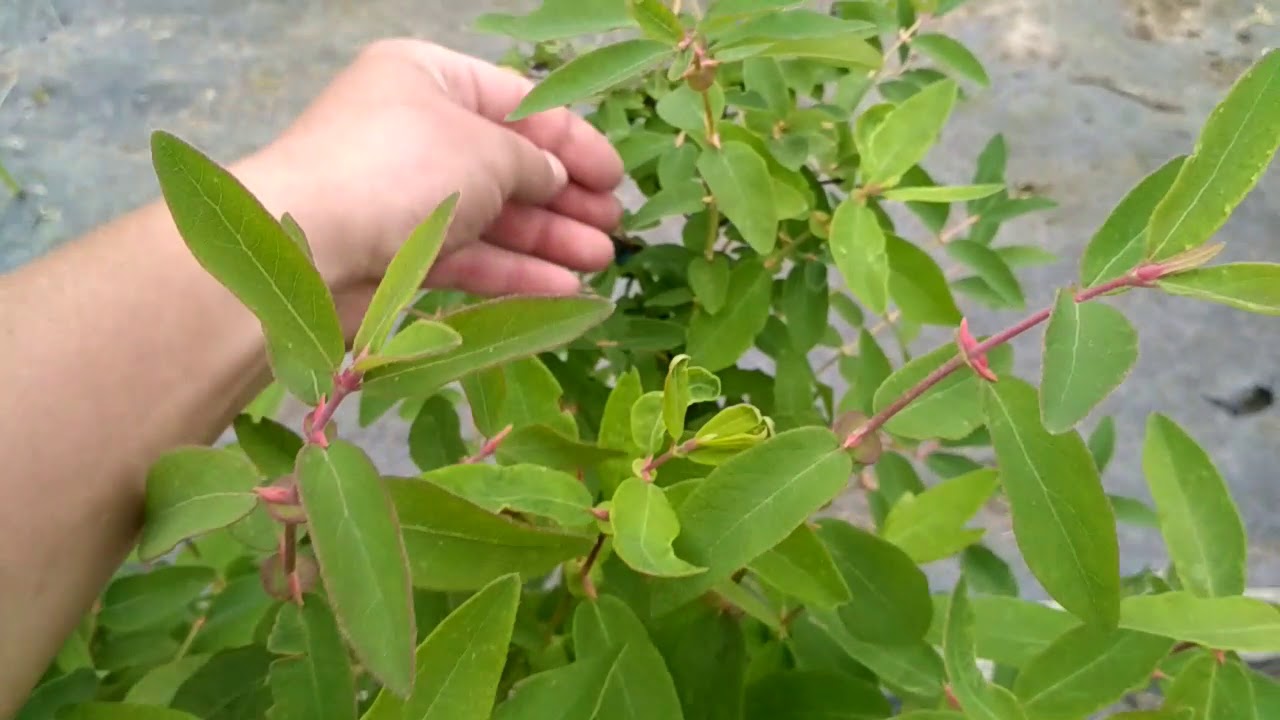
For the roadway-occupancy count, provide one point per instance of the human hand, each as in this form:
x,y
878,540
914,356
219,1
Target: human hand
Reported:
x,y
407,124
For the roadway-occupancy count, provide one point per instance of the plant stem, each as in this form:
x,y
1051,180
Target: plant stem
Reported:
x,y
344,383
709,118
289,556
490,446
676,450
588,585
713,229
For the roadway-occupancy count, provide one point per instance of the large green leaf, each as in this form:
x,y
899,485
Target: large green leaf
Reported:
x,y
642,687
717,341
806,304
493,332
751,503
739,179
798,24
1235,146
241,244
908,132
951,54
1199,520
814,694
847,50
1087,669
931,526
890,594
912,668
191,491
1061,518
134,602
435,435
455,545
644,526
709,280
544,445
314,679
801,567
1089,349
951,409
1252,287
404,276
558,19
231,685
1213,690
1226,623
1008,630
520,488
942,193
354,533
100,710
705,652
419,339
615,425
676,397
269,444
590,73
233,616
656,20
54,696
979,699
460,663
1120,244
858,247
569,692
918,286
991,268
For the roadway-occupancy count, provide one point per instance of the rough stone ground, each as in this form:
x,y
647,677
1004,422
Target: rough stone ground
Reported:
x,y
1091,96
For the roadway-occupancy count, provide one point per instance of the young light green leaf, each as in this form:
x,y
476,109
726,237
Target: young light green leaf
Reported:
x,y
354,533
267,403
644,526
315,680
803,694
1252,287
1089,349
685,109
739,179
520,488
993,270
675,396
729,432
642,687
1234,148
951,409
1087,669
942,193
1008,630
404,277
911,668
801,567
951,54
1102,443
858,246
890,594
1199,520
798,24
647,422
590,73
917,285
931,526
101,710
1133,512
978,698
751,503
615,427
419,339
1061,518
135,602
241,244
558,20
459,665
908,132
1213,690
656,20
709,280
847,50
455,545
717,341
1120,244
191,491
492,334
1236,623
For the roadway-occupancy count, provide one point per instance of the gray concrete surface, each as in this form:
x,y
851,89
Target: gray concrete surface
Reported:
x,y
1091,96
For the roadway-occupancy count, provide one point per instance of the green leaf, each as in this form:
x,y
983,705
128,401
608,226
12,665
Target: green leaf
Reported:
x,y
705,652
353,531
590,73
269,444
570,692
872,370
1008,630
267,403
951,54
558,19
460,663
979,699
951,409
521,488
1102,442
805,303
763,76
1252,287
1087,669
644,526
134,602
404,277
812,694
543,445
751,503
121,711
1226,623
709,280
993,270
1133,512
454,545
1120,244
717,341
801,567
419,339
47,701
684,108
642,687
315,679
435,435
1089,349
683,198
231,685
890,594
942,193
917,285
675,396
1235,146
1213,690
858,247
492,335
908,132
1199,520
615,427
847,50
912,668
235,239
799,24
739,179
656,20
647,422
1061,518
233,616
931,526
191,491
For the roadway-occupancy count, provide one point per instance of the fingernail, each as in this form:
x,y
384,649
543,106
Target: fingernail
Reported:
x,y
557,169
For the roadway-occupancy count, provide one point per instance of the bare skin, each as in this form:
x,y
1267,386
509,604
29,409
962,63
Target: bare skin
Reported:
x,y
119,346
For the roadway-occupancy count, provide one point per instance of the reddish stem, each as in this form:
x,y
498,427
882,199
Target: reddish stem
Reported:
x,y
646,472
289,553
490,447
344,383
589,585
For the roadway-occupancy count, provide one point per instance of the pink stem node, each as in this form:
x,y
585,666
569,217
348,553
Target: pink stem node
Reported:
x,y
974,356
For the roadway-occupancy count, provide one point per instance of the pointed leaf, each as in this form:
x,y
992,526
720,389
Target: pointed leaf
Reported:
x,y
675,396
798,24
917,285
890,594
644,526
908,132
1133,512
951,409
801,567
847,50
589,73
1007,630
460,663
647,423
1061,518
808,694
269,444
951,54
1226,623
521,488
435,435
739,179
419,339
1213,690
544,445
942,193
558,19
979,699
858,246
656,20
1089,349
912,668
717,342
316,680
931,526
709,280
570,692
1102,442
1235,146
134,602
1252,287
191,491
993,270
1120,244
356,538
642,687
615,427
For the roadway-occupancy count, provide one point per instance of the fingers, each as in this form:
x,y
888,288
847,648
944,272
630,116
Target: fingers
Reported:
x,y
484,269
551,237
525,173
601,210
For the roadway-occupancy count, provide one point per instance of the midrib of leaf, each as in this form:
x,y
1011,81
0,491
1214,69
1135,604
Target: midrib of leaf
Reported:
x,y
1075,351
839,635
1116,257
486,541
718,328
1197,537
198,498
346,519
1080,670
310,660
644,529
1222,158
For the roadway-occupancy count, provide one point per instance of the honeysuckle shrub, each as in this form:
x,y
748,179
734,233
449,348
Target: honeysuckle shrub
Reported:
x,y
617,516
